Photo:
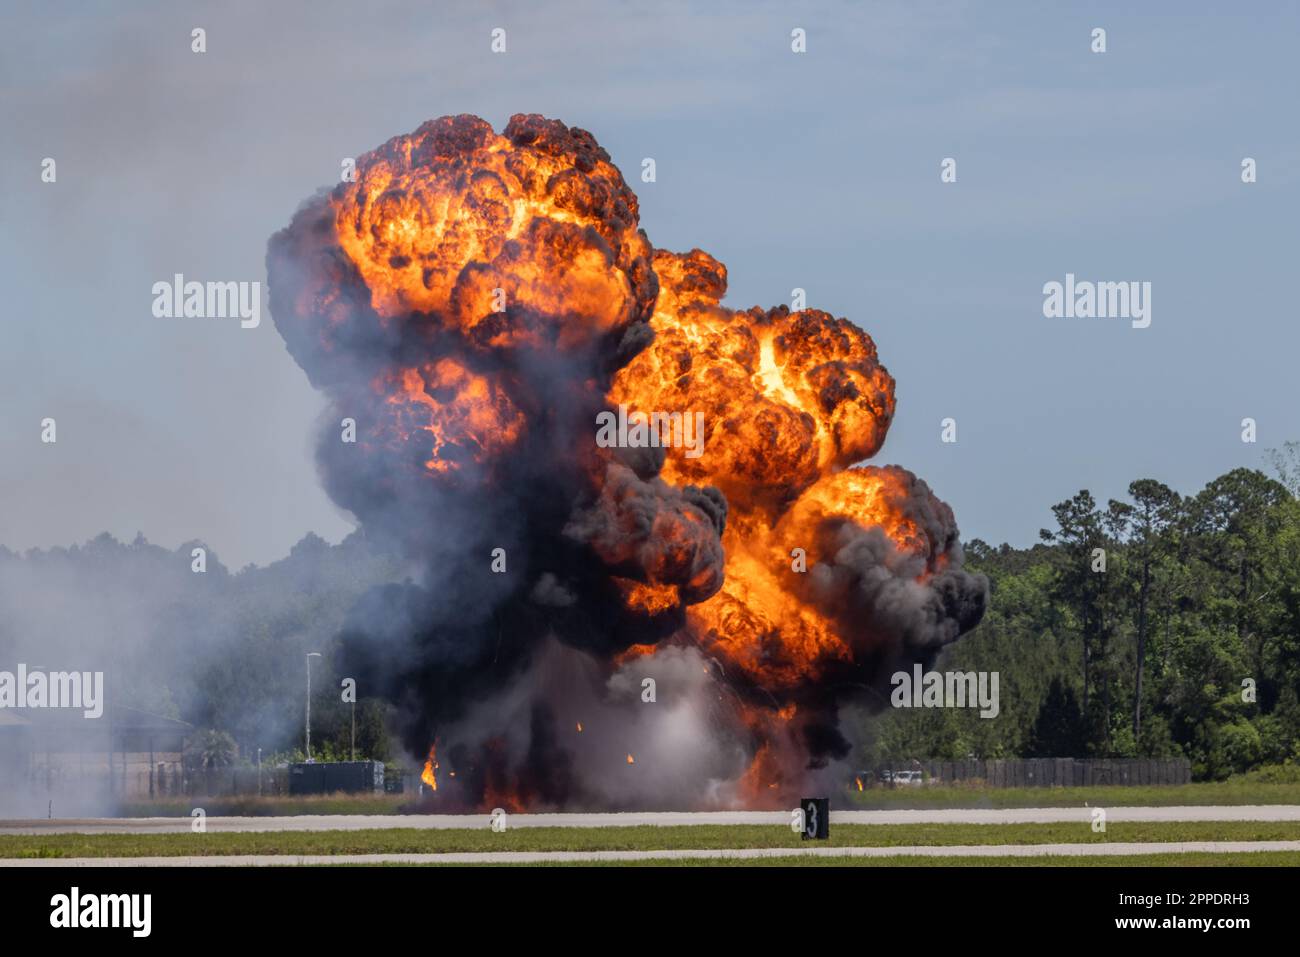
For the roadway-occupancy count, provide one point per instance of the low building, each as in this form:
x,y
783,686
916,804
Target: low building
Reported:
x,y
124,753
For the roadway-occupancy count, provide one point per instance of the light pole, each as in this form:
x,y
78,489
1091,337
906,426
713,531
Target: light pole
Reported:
x,y
310,656
259,772
354,729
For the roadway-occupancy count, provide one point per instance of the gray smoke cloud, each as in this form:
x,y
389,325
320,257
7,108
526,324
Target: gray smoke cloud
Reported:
x,y
474,452
893,600
465,305
688,745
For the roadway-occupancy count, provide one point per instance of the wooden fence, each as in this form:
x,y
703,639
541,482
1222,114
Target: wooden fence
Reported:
x,y
234,782
1059,772
214,782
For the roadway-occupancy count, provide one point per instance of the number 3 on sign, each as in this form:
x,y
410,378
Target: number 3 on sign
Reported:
x,y
816,818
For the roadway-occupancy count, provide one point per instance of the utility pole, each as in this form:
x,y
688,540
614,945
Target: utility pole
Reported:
x,y
310,656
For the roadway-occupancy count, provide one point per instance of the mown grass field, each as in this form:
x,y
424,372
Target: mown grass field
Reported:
x,y
1192,859
1221,793
699,837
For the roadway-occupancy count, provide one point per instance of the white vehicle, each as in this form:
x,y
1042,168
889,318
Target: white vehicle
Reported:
x,y
906,778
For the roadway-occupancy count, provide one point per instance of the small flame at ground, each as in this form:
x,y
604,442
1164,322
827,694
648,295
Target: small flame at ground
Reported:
x,y
579,727
858,782
429,775
631,760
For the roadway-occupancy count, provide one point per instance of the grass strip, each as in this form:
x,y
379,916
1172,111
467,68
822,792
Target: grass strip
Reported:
x,y
701,837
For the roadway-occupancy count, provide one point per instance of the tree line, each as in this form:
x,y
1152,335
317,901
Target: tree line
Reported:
x,y
1157,625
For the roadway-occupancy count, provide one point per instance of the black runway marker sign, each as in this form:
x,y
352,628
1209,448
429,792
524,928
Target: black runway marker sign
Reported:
x,y
816,818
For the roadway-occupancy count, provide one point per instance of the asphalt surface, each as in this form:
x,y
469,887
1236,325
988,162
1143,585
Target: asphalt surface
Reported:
x,y
358,822
753,854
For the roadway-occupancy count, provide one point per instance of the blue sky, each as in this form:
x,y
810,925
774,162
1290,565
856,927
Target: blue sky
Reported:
x,y
818,171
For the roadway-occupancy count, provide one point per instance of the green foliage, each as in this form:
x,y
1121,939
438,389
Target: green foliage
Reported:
x,y
1059,728
1152,657
208,750
1234,747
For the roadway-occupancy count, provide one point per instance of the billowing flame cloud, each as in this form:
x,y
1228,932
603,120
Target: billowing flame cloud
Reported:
x,y
834,575
471,302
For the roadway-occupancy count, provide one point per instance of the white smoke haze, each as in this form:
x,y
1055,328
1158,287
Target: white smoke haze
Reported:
x,y
221,650
215,650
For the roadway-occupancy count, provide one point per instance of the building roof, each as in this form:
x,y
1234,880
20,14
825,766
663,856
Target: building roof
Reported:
x,y
117,717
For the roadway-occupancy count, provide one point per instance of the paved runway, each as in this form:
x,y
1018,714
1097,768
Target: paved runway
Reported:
x,y
357,822
753,854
